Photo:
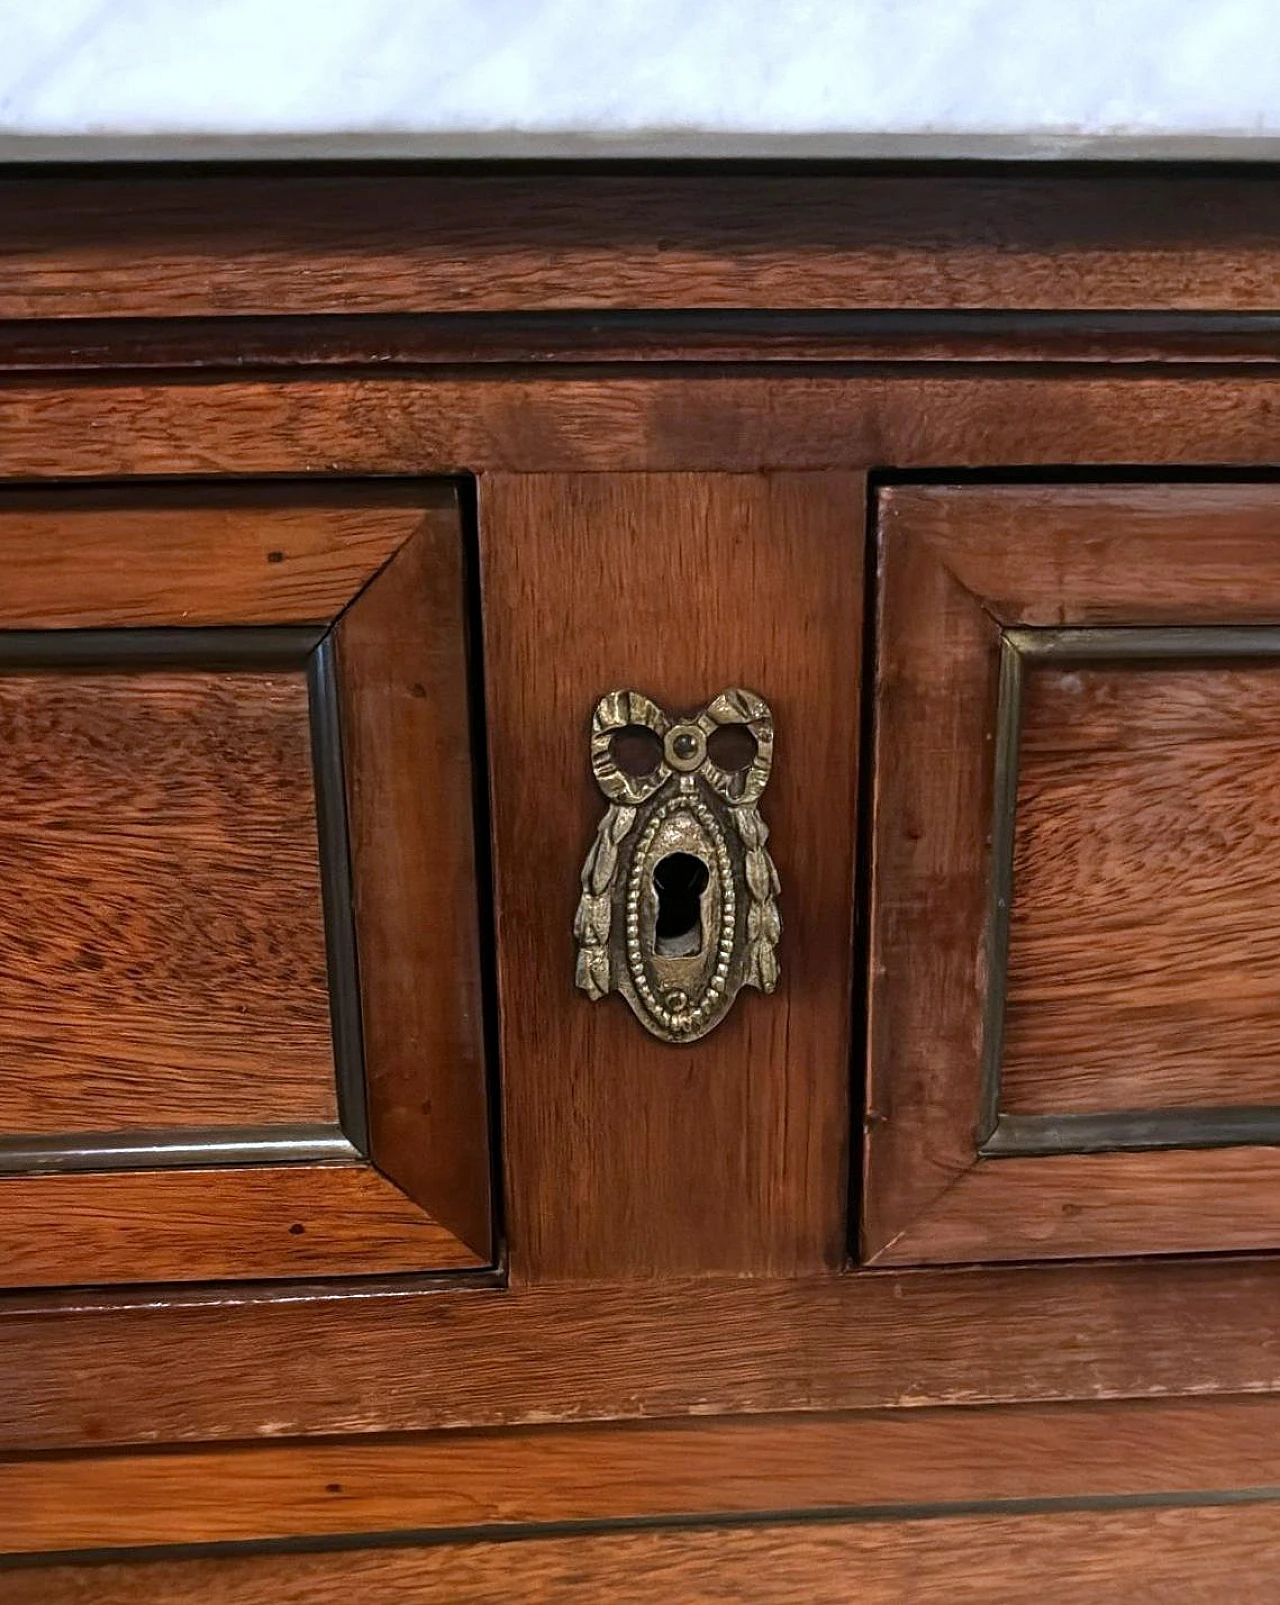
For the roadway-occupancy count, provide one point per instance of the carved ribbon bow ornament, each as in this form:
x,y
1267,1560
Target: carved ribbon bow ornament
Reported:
x,y
679,894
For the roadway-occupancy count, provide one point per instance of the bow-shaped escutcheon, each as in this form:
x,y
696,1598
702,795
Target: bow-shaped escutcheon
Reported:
x,y
679,905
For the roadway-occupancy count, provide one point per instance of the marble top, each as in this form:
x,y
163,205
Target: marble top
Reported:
x,y
445,78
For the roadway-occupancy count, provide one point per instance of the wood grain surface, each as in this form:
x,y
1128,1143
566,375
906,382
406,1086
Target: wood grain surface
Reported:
x,y
162,931
626,1155
1104,554
1188,1554
229,1223
611,422
647,1471
227,1363
158,558
109,1369
1179,1201
937,661
1144,952
208,243
402,655
1142,870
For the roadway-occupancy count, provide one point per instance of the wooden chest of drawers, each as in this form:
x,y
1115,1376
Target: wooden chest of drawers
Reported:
x,y
358,1239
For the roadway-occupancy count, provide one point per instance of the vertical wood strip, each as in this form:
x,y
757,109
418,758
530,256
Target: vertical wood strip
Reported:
x,y
627,1156
407,737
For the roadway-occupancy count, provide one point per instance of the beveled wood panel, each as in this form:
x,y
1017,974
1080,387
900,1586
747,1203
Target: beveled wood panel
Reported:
x,y
228,1223
1177,1201
936,697
411,1359
1144,943
407,738
1134,850
206,243
1048,555
113,557
625,1155
648,1470
1189,1553
533,423
162,931
167,1000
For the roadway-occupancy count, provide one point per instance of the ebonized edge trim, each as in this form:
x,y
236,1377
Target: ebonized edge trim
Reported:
x,y
174,1147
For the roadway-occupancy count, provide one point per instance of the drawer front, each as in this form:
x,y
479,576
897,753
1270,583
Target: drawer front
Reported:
x,y
239,1010
1075,1042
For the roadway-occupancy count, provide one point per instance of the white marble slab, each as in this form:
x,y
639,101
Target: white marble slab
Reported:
x,y
539,77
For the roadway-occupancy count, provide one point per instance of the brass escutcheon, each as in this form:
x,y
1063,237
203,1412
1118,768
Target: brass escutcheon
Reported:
x,y
679,906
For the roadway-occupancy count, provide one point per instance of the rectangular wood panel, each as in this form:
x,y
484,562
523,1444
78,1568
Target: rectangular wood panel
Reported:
x,y
1144,943
412,1359
627,1156
648,1470
1187,1552
252,245
162,944
639,421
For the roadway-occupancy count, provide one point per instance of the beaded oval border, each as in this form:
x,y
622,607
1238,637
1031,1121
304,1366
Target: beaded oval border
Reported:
x,y
680,1022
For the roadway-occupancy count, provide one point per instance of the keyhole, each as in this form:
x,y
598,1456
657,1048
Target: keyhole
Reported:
x,y
679,880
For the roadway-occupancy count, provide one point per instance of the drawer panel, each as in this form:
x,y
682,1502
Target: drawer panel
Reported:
x,y
1143,968
163,925
240,1029
1075,1041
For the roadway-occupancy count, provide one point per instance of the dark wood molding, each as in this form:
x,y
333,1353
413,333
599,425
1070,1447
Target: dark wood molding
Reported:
x,y
337,892
1132,1131
173,1147
231,649
218,1222
618,338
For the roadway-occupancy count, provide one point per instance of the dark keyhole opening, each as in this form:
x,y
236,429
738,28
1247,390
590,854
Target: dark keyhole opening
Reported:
x,y
679,880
